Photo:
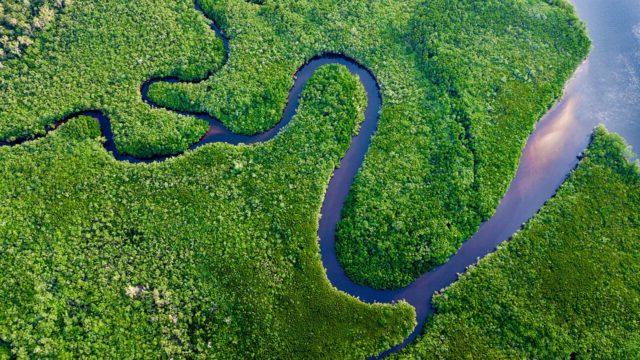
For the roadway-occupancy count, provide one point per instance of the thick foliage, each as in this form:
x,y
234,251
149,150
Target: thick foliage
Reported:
x,y
498,65
21,20
566,284
211,254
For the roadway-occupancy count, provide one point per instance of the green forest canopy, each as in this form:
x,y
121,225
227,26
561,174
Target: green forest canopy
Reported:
x,y
22,20
213,252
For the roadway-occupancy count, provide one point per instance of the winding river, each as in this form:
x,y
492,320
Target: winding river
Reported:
x,y
605,89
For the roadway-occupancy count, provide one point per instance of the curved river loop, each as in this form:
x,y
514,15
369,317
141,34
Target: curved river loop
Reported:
x,y
605,89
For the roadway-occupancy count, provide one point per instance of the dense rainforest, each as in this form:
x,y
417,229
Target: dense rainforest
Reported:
x,y
214,253
22,20
494,68
463,83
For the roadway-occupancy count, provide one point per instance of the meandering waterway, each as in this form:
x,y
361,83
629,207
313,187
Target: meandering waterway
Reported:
x,y
605,89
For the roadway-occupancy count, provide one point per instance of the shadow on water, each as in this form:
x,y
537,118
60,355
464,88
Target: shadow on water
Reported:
x,y
605,89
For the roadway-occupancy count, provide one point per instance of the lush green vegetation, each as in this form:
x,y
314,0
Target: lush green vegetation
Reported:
x,y
213,253
456,76
5,352
463,83
22,20
566,284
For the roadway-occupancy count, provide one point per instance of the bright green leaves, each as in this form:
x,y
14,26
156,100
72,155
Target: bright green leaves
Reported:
x,y
462,87
435,171
463,83
21,21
